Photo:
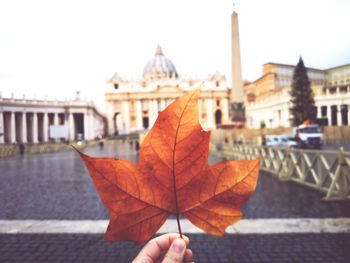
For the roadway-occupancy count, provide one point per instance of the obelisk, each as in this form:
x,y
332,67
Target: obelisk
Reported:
x,y
236,100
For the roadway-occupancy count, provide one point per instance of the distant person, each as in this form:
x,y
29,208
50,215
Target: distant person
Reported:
x,y
21,148
101,144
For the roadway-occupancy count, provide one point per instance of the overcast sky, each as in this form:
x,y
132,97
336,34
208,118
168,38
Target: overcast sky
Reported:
x,y
54,48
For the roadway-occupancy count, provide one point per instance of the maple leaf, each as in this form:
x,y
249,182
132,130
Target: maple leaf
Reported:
x,y
172,177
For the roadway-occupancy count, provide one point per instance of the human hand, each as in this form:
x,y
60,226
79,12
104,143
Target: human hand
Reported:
x,y
168,248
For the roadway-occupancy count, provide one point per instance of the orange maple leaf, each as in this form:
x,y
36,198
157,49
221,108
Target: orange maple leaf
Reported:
x,y
172,177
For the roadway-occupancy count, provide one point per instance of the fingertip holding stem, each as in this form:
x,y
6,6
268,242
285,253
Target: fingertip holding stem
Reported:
x,y
179,245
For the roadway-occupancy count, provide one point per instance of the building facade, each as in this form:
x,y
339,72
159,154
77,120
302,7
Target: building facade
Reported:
x,y
29,121
267,99
133,106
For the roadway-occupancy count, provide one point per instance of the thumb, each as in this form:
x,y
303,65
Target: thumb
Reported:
x,y
176,252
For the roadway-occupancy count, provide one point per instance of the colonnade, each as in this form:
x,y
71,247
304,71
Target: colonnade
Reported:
x,y
277,114
33,127
337,115
134,115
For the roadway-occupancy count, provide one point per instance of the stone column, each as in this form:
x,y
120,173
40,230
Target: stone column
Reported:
x,y
2,126
339,119
154,107
24,127
210,117
13,128
45,127
162,104
318,112
237,84
35,127
138,115
55,119
71,127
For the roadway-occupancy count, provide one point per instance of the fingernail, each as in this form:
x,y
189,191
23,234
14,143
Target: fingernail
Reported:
x,y
178,246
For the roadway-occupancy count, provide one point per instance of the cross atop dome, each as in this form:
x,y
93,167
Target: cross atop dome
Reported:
x,y
159,51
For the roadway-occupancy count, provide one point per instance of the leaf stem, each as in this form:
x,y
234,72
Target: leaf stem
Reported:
x,y
176,204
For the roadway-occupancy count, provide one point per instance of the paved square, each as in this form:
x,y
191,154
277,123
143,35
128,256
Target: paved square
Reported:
x,y
57,187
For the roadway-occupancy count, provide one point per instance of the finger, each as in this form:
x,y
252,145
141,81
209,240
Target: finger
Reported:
x,y
188,255
176,252
165,241
154,248
149,253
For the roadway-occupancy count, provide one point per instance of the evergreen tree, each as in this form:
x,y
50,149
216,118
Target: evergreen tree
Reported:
x,y
303,104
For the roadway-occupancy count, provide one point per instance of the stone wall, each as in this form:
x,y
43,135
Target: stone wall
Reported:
x,y
337,134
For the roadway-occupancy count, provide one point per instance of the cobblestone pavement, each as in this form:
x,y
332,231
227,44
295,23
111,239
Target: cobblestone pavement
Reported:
x,y
207,249
57,186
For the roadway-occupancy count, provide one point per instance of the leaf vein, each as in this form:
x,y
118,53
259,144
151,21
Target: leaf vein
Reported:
x,y
116,186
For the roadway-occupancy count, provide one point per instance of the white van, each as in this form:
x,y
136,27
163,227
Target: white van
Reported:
x,y
310,135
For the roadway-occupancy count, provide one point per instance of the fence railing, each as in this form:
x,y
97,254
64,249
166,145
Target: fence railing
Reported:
x,y
7,150
327,171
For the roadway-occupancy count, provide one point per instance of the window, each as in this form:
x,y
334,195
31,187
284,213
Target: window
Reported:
x,y
116,85
311,129
343,89
332,90
217,102
251,97
334,119
344,114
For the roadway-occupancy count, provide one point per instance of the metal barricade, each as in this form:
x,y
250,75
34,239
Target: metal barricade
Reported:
x,y
327,171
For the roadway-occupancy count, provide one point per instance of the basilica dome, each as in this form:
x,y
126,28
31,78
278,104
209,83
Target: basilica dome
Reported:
x,y
159,67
